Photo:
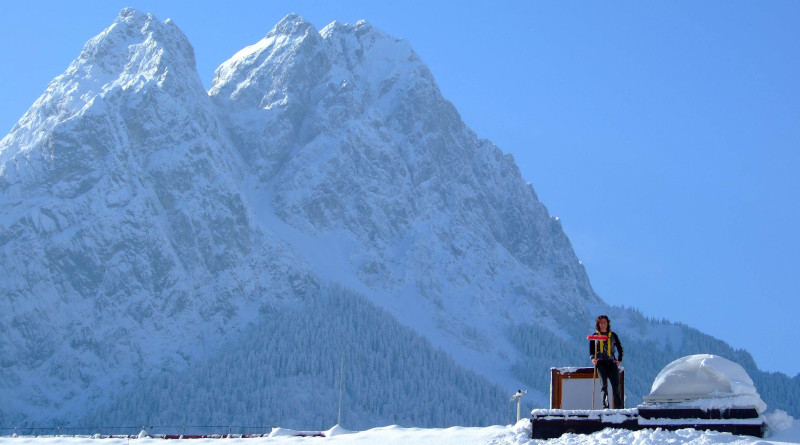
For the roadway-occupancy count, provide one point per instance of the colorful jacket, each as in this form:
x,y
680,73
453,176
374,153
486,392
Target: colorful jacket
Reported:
x,y
605,348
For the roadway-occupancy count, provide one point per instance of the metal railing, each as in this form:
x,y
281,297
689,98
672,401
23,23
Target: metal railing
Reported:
x,y
163,431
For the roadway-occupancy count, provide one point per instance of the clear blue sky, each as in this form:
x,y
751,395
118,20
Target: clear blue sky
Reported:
x,y
665,135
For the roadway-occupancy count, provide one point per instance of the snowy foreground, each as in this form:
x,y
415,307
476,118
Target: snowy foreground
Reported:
x,y
783,430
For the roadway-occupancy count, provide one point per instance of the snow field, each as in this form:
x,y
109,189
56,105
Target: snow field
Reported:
x,y
783,429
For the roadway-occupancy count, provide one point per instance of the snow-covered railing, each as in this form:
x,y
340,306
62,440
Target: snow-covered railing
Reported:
x,y
165,432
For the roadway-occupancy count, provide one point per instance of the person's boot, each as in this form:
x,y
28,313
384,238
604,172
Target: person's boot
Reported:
x,y
605,397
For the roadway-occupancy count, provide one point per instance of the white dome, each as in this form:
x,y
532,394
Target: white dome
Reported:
x,y
705,376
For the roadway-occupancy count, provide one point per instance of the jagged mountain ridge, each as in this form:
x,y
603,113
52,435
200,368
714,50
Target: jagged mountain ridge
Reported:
x,y
184,216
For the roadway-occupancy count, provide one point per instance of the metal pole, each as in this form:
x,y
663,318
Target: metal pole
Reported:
x,y
518,396
341,386
594,375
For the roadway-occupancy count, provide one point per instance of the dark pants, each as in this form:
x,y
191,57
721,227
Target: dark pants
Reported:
x,y
609,371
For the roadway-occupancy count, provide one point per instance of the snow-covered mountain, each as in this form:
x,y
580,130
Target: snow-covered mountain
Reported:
x,y
148,228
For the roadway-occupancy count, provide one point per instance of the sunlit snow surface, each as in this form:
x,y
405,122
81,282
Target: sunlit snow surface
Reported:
x,y
783,429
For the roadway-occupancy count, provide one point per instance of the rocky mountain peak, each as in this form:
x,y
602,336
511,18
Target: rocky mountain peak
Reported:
x,y
274,71
138,45
292,25
136,52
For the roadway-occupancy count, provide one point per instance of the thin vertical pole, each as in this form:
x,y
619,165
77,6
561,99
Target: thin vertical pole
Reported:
x,y
518,396
341,386
594,374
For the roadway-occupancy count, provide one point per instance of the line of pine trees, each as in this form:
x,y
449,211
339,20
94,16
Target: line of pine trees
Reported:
x,y
284,371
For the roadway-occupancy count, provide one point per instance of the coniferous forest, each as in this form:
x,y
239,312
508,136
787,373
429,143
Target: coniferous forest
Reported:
x,y
285,371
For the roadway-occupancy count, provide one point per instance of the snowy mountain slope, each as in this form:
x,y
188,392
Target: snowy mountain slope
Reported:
x,y
145,222
350,134
125,242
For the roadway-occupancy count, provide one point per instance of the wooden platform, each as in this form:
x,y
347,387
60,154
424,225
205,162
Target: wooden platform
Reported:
x,y
552,423
744,421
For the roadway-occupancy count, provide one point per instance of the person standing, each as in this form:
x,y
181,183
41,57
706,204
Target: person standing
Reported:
x,y
604,358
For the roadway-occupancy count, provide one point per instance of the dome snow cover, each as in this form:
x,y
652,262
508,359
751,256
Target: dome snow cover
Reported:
x,y
706,381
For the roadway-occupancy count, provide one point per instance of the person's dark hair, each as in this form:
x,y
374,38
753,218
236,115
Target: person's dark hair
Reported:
x,y
597,322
